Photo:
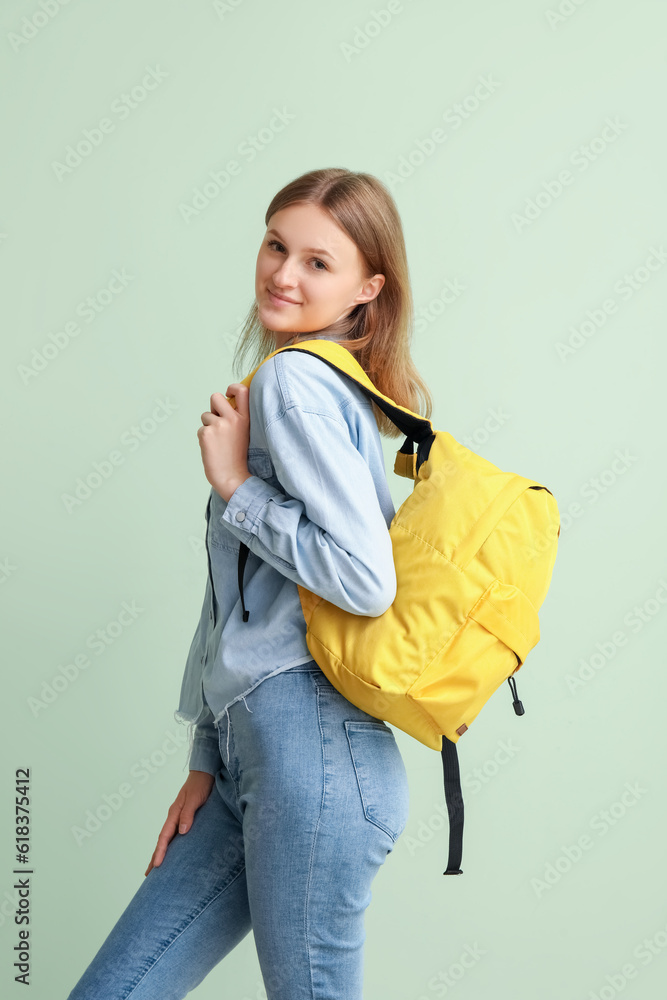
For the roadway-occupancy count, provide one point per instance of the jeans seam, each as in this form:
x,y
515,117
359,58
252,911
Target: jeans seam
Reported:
x,y
187,926
237,764
312,849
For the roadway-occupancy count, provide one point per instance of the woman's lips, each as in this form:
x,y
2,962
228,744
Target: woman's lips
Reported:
x,y
281,302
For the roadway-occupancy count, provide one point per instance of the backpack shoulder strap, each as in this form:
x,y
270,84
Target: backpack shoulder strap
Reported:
x,y
414,426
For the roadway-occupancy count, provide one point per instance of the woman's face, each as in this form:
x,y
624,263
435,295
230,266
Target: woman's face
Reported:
x,y
307,259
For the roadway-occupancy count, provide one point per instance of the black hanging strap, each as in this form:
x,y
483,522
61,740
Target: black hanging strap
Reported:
x,y
454,797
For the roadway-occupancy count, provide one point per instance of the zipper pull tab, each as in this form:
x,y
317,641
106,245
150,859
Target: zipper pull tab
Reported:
x,y
516,704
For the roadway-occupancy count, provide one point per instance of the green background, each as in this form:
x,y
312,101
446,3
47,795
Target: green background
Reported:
x,y
366,85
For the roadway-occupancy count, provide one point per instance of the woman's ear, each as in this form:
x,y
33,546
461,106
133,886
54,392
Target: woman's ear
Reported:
x,y
371,288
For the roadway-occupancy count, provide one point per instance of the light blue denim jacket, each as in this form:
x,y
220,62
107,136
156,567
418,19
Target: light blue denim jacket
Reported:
x,y
315,510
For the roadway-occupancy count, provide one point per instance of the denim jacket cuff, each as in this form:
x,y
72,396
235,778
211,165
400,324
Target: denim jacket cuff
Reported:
x,y
242,511
205,756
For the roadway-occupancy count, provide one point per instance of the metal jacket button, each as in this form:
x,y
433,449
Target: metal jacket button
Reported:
x,y
240,516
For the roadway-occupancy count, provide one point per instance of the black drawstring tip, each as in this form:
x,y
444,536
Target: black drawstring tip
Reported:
x,y
516,704
454,871
243,555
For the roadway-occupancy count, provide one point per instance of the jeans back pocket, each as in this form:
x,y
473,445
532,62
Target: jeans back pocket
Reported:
x,y
381,775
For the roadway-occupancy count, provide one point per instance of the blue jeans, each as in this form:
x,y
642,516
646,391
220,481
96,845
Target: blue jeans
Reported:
x,y
311,797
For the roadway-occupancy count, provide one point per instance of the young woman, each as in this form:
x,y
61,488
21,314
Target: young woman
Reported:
x,y
294,796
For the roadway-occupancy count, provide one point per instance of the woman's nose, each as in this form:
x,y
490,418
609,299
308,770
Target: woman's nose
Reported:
x,y
285,275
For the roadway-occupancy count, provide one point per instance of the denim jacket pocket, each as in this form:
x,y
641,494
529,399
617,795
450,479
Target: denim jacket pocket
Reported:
x,y
381,775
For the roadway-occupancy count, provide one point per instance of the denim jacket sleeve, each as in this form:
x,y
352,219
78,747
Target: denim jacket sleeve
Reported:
x,y
205,752
324,529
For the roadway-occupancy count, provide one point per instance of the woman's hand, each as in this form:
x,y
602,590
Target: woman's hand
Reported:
x,y
224,440
192,795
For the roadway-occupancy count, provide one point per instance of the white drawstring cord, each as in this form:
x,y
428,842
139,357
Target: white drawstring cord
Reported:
x,y
228,724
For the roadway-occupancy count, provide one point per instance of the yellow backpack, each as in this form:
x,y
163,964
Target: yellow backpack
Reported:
x,y
474,549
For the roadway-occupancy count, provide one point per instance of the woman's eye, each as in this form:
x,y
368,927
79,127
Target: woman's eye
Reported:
x,y
275,243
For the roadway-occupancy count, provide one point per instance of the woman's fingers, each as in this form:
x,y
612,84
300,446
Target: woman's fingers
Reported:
x,y
240,393
181,812
163,841
166,835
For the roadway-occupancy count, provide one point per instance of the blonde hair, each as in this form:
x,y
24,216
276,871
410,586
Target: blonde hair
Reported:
x,y
379,332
